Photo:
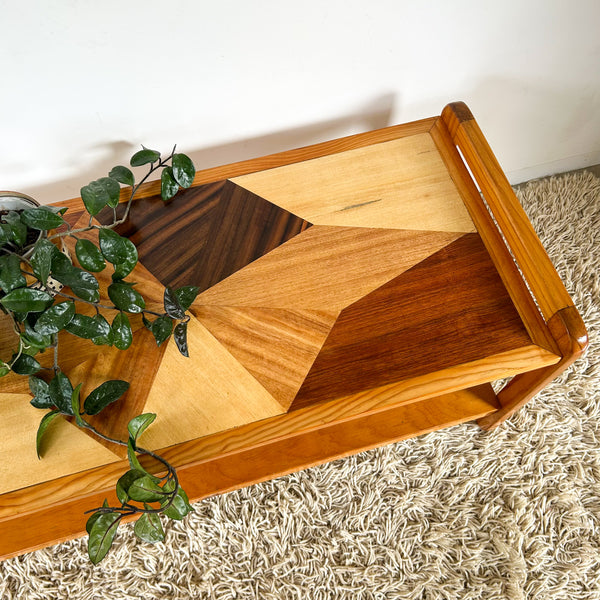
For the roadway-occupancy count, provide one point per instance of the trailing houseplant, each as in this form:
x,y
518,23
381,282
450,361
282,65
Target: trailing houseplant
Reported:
x,y
46,295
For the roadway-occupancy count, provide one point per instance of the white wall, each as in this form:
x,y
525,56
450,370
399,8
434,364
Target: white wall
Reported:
x,y
83,82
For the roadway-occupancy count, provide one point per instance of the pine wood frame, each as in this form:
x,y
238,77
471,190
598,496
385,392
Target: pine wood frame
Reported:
x,y
309,436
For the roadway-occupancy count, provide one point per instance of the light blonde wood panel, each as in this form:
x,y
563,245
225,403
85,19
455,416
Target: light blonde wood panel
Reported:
x,y
326,268
401,184
207,392
67,449
277,346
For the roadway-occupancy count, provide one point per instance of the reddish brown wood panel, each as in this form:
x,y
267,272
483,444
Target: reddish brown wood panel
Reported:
x,y
450,309
206,233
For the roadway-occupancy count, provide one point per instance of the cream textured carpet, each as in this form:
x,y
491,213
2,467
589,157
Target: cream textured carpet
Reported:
x,y
456,514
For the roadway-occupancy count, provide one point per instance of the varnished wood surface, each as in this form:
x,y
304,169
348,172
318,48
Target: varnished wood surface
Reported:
x,y
249,334
288,157
526,246
493,240
254,464
447,310
206,233
326,268
311,290
572,339
400,184
20,466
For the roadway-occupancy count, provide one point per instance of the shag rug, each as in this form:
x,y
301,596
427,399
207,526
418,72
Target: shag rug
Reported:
x,y
460,513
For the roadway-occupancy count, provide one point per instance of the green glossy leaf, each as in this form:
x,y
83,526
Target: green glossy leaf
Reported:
x,y
124,297
161,329
103,395
168,186
14,229
60,261
119,251
93,518
144,157
105,340
183,170
139,424
172,306
26,365
87,327
60,391
4,234
121,331
145,489
122,175
180,506
39,390
55,318
113,189
76,405
41,259
89,256
33,339
135,463
59,210
4,369
186,295
125,482
102,534
180,335
44,423
11,277
149,528
82,283
25,300
41,218
95,197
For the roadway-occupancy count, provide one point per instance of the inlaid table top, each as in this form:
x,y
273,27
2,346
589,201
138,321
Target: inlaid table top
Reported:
x,y
351,293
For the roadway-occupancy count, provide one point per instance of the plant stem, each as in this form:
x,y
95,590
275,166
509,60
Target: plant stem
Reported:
x,y
171,473
135,188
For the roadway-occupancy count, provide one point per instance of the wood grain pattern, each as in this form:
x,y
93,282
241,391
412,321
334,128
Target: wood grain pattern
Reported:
x,y
325,268
401,184
206,233
206,393
258,433
408,328
30,531
222,419
277,346
572,339
524,243
492,238
67,449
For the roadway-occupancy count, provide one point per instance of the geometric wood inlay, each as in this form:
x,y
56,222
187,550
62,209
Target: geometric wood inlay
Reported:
x,y
206,233
249,334
326,268
406,328
206,392
400,184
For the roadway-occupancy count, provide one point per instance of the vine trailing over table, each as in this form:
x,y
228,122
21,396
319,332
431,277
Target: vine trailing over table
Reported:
x,y
30,272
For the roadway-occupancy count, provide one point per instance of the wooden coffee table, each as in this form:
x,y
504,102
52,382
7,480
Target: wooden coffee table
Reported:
x,y
354,293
